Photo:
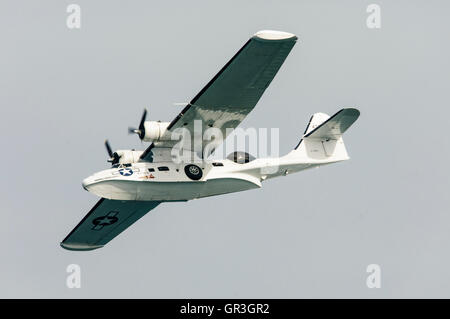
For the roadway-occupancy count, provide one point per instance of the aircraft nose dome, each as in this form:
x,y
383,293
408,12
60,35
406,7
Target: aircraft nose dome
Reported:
x,y
85,183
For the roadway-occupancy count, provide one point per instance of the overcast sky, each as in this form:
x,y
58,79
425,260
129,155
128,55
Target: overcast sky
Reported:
x,y
311,234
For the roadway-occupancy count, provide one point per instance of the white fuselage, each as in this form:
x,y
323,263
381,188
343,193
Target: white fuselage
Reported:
x,y
167,181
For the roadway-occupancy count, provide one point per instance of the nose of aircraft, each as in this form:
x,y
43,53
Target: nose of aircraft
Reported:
x,y
85,183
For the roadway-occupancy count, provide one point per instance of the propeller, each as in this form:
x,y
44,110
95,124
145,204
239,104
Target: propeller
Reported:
x,y
113,157
140,131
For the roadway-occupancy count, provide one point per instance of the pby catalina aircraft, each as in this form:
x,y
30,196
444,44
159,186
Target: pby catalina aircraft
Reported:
x,y
139,181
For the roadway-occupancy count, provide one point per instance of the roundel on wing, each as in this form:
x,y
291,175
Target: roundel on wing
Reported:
x,y
105,220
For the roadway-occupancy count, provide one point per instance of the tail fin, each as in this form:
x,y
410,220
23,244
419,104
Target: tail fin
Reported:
x,y
315,120
323,136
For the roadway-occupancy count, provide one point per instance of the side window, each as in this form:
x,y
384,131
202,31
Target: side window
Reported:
x,y
217,164
151,170
163,168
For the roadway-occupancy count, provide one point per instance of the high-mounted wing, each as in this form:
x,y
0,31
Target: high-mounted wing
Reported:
x,y
107,219
227,99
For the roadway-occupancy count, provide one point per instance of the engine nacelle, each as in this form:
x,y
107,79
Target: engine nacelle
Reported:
x,y
128,156
156,131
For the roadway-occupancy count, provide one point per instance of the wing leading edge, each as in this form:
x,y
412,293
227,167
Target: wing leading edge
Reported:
x,y
107,219
233,92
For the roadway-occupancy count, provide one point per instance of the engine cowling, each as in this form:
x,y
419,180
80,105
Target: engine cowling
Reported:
x,y
156,131
128,156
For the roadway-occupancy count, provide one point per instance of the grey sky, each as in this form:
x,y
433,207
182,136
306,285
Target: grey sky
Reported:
x,y
310,234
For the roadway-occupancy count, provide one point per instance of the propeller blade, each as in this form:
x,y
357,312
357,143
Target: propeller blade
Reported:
x,y
113,157
108,149
141,124
140,131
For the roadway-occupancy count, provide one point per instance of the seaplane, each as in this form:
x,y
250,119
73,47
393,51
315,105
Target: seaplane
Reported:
x,y
176,166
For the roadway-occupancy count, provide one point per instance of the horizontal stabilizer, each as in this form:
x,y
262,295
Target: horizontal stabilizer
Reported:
x,y
335,126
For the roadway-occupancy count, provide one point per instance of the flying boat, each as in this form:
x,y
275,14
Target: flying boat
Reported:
x,y
177,164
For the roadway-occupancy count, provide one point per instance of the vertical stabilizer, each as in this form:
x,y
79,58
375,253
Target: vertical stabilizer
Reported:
x,y
322,139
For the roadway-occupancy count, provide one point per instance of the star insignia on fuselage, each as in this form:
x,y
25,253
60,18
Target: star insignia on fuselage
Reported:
x,y
126,171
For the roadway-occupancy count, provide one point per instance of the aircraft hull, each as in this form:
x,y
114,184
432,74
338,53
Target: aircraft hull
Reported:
x,y
167,191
